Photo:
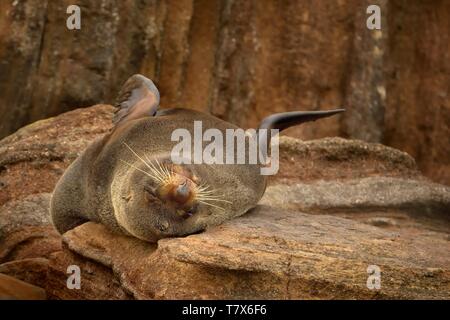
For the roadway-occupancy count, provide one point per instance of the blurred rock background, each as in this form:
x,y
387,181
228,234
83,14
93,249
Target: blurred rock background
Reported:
x,y
241,60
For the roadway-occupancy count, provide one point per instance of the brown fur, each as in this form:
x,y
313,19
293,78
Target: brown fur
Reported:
x,y
100,187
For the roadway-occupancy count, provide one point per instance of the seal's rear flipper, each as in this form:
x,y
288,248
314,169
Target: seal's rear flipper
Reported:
x,y
137,98
285,120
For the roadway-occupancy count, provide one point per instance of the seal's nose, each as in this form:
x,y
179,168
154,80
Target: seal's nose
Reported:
x,y
182,191
179,191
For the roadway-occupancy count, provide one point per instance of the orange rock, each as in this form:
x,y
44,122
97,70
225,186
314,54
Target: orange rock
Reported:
x,y
12,288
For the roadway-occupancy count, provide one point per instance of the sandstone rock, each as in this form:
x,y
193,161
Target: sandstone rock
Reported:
x,y
336,207
26,230
31,162
366,194
29,270
337,158
11,288
241,60
382,222
97,281
417,112
269,253
27,239
33,158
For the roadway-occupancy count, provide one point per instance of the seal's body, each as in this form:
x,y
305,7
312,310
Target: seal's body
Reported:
x,y
126,180
100,185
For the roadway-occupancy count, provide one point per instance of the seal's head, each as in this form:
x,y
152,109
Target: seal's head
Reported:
x,y
159,199
154,198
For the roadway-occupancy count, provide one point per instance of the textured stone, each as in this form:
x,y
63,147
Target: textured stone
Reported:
x,y
26,230
241,60
33,158
30,270
11,289
336,207
97,281
272,253
417,113
337,158
366,194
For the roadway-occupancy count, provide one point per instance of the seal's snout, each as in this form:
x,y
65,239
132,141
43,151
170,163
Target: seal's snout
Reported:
x,y
179,193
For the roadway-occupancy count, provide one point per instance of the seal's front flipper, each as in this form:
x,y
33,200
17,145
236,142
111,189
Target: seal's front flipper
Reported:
x,y
137,98
285,120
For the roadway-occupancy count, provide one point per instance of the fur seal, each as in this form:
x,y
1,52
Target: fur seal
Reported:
x,y
127,182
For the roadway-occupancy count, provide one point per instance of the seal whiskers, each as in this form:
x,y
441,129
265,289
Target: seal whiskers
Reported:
x,y
165,177
212,205
143,171
203,195
160,173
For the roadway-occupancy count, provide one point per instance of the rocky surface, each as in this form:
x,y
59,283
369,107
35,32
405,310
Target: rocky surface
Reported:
x,y
337,158
241,60
336,207
11,288
374,193
33,158
25,229
31,162
269,253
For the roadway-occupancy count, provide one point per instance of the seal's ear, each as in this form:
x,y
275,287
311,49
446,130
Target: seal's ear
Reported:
x,y
137,98
285,120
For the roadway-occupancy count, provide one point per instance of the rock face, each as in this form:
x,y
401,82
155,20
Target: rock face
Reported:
x,y
269,254
33,158
337,158
241,60
25,229
374,193
338,210
11,288
31,162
